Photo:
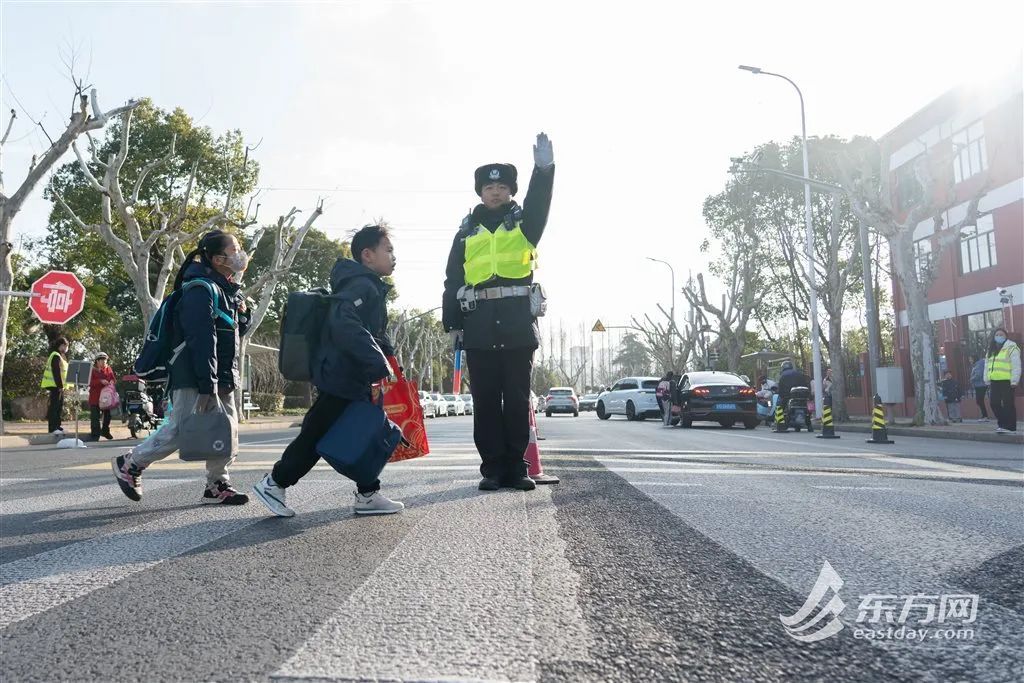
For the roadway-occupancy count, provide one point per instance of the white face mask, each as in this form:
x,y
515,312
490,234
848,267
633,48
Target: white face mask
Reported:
x,y
237,262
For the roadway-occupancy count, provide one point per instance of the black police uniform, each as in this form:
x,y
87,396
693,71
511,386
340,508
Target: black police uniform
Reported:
x,y
501,335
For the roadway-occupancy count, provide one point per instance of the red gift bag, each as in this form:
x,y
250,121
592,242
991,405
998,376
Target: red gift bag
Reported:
x,y
402,405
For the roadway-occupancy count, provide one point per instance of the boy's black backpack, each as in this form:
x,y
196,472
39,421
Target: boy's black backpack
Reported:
x,y
158,353
304,317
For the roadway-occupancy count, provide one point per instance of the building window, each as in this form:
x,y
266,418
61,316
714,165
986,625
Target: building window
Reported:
x,y
923,258
978,245
969,148
980,327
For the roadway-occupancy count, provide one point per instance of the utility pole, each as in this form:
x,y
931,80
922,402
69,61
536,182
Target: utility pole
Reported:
x,y
870,304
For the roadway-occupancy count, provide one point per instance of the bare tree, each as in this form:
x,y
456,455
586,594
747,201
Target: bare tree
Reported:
x,y
82,121
740,300
148,259
866,179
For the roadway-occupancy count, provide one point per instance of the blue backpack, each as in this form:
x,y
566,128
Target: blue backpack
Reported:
x,y
158,354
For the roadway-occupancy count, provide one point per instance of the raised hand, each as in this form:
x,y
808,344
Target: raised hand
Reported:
x,y
543,153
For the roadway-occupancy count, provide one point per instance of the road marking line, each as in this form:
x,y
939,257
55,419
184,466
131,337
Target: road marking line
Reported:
x,y
855,488
39,583
664,483
430,584
8,482
66,500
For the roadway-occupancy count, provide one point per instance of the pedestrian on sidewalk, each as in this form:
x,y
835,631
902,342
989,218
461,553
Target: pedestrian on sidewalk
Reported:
x,y
979,385
826,383
55,374
952,394
352,355
102,376
1002,372
204,376
491,305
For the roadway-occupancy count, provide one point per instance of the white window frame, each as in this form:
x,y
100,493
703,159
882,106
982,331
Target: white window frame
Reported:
x,y
970,157
978,245
923,255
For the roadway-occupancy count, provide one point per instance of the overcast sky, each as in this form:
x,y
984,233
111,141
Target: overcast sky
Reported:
x,y
385,107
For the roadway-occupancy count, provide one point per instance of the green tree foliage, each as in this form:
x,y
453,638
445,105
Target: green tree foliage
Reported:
x,y
634,358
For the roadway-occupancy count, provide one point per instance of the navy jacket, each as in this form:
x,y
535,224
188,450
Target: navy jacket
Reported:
x,y
789,379
210,360
498,323
354,342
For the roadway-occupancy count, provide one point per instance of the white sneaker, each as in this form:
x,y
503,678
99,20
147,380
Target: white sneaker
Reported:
x,y
376,504
1000,430
273,497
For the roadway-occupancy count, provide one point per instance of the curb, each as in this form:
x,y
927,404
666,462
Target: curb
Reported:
x,y
26,440
917,431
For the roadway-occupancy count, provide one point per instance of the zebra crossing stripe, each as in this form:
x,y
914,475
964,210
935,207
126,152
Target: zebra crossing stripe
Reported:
x,y
91,495
35,584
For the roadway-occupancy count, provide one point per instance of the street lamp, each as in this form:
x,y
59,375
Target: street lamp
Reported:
x,y
672,316
812,285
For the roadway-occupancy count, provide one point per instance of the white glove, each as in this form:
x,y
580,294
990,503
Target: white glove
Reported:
x,y
543,153
456,337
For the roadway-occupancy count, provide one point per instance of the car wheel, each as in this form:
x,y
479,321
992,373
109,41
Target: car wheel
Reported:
x,y
727,424
686,422
630,411
797,428
548,413
674,421
750,424
602,414
576,414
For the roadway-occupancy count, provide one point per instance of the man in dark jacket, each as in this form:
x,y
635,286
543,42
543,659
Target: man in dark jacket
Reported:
x,y
489,312
353,354
790,378
208,320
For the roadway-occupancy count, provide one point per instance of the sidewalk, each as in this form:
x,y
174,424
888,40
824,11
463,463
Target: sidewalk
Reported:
x,y
22,434
965,431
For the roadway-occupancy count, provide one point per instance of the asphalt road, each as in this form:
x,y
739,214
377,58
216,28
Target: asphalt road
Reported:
x,y
665,554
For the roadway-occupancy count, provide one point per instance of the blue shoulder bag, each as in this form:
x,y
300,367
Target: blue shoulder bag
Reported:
x,y
361,441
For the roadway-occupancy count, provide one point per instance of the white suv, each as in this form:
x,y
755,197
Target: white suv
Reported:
x,y
631,396
562,400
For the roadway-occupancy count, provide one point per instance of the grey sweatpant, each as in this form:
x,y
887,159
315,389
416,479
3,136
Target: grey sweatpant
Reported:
x,y
164,441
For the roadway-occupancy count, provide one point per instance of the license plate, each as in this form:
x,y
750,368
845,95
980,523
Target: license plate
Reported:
x,y
725,406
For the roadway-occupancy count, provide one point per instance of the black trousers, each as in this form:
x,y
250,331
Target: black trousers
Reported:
x,y
300,456
500,384
95,414
54,409
1002,404
979,398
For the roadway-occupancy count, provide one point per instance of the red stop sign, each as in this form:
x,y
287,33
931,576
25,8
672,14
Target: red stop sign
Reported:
x,y
57,297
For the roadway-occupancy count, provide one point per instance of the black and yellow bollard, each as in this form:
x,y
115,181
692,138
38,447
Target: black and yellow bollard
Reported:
x,y
828,430
879,434
780,421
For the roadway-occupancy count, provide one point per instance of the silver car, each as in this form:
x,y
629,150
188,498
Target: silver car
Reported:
x,y
562,400
468,400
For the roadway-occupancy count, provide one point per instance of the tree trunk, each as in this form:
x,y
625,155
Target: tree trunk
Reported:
x,y
838,363
6,282
915,297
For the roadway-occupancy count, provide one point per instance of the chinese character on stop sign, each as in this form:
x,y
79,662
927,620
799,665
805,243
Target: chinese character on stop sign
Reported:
x,y
57,297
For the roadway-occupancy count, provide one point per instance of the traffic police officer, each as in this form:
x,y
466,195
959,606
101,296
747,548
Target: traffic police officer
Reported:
x,y
491,306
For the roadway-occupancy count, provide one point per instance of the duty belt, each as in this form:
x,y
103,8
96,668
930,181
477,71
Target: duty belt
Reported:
x,y
502,292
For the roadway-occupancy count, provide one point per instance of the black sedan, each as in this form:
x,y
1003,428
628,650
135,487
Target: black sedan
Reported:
x,y
716,397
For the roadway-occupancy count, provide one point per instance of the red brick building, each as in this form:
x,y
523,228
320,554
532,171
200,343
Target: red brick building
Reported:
x,y
979,129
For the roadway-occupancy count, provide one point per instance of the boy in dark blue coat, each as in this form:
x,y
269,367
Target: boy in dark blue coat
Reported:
x,y
352,355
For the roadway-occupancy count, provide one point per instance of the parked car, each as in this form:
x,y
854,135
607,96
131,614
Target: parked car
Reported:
x,y
562,400
588,402
455,405
630,396
720,397
468,400
440,405
427,403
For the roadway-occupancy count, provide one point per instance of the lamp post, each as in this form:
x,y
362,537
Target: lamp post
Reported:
x,y
672,315
812,285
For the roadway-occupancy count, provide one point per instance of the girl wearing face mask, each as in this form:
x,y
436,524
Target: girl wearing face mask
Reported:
x,y
211,327
1002,373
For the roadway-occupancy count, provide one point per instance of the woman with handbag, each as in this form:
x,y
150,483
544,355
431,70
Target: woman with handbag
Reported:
x,y
102,397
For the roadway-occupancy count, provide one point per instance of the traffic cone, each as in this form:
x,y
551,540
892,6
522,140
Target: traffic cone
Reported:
x,y
532,457
879,434
828,430
780,421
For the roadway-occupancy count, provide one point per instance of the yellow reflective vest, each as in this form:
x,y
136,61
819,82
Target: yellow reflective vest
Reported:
x,y
1000,366
48,380
504,253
